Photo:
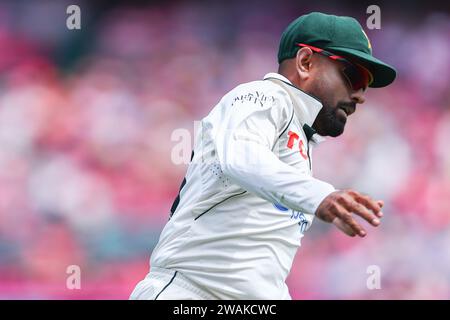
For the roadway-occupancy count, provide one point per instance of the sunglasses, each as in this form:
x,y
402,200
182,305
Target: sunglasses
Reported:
x,y
356,75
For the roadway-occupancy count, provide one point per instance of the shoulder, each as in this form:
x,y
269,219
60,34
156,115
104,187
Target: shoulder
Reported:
x,y
262,93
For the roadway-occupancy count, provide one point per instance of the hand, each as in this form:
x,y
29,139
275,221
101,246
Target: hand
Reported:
x,y
338,207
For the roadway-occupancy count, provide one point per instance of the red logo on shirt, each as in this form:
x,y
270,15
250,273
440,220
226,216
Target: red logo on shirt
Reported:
x,y
301,145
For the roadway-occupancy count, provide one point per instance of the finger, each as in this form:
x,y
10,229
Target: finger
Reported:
x,y
347,219
359,209
343,227
367,201
381,204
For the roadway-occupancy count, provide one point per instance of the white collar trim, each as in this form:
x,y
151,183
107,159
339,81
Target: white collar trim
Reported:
x,y
306,106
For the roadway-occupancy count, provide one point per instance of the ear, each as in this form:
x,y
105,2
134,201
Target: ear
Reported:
x,y
303,63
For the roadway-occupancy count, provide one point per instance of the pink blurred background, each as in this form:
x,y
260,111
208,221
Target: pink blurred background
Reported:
x,y
86,118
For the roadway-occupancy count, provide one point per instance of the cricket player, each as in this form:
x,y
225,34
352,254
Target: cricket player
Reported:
x,y
249,194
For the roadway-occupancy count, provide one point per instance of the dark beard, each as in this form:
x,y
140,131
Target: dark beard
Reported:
x,y
328,122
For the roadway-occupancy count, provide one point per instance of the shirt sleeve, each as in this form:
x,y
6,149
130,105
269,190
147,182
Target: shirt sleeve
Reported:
x,y
244,144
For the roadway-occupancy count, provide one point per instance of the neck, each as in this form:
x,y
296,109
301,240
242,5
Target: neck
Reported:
x,y
287,69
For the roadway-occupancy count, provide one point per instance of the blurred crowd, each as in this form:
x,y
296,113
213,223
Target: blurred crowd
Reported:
x,y
86,176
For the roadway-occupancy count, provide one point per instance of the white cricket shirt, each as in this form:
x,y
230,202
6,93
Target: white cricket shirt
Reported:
x,y
248,195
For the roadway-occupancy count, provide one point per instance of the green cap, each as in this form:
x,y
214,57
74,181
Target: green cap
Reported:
x,y
340,35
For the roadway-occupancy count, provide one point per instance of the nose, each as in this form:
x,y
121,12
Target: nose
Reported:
x,y
358,96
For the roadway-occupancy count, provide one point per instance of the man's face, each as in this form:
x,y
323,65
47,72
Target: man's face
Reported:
x,y
339,100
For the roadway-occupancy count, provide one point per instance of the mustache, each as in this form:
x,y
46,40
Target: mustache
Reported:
x,y
348,107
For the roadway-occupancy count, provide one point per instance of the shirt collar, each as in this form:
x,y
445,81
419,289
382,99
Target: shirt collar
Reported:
x,y
306,106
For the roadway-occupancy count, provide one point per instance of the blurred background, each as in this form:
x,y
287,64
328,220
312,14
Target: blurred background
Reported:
x,y
86,118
